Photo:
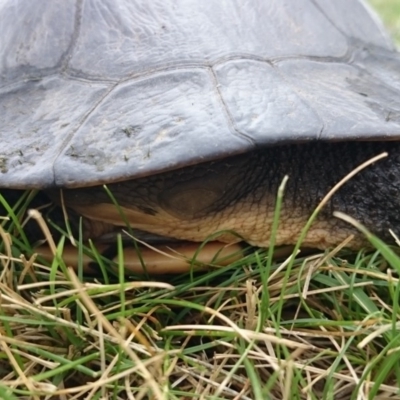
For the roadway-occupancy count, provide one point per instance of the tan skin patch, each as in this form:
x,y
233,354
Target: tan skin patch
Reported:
x,y
246,223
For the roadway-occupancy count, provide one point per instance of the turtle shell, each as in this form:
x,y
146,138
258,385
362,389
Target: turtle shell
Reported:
x,y
100,91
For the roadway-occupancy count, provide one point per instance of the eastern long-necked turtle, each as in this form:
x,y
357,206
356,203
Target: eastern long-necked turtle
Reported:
x,y
192,112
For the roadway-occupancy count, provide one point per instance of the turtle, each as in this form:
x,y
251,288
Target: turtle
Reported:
x,y
192,113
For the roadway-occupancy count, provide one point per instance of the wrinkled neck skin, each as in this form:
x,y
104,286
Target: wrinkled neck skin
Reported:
x,y
239,194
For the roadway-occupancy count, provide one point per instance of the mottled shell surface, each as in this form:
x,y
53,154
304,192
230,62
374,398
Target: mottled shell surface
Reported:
x,y
95,91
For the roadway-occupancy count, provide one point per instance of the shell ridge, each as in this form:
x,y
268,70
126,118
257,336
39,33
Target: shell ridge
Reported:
x,y
71,135
227,113
75,35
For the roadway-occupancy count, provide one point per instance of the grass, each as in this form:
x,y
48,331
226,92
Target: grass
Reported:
x,y
325,326
389,11
319,327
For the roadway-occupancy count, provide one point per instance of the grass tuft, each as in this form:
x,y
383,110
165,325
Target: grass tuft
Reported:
x,y
327,329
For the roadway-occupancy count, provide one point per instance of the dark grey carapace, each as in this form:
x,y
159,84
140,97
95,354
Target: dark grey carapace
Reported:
x,y
239,93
